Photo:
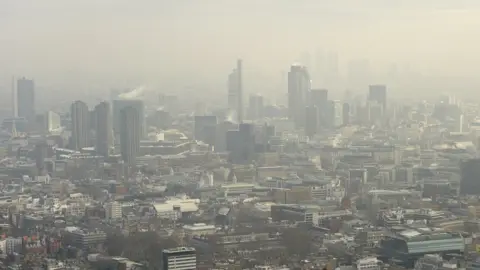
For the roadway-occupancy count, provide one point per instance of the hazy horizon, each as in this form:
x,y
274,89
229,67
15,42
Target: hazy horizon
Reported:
x,y
97,45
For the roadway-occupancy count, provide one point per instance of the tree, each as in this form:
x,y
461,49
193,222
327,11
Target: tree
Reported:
x,y
297,242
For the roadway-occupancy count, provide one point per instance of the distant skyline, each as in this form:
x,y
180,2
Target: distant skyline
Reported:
x,y
88,47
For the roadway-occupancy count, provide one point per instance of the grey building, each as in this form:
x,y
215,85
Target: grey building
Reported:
x,y
119,105
26,99
103,128
130,133
181,258
378,93
298,90
80,125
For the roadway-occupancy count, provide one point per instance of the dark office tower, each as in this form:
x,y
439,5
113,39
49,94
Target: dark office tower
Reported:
x,y
247,140
103,128
130,133
160,119
26,99
311,127
41,153
202,126
378,93
255,107
298,90
346,114
241,144
181,258
319,98
470,177
80,125
119,105
221,135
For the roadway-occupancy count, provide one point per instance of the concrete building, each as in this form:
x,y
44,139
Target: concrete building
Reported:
x,y
119,105
130,133
469,183
203,126
235,91
83,239
378,93
298,90
409,245
255,107
26,99
368,263
199,229
182,258
80,125
53,121
113,210
103,129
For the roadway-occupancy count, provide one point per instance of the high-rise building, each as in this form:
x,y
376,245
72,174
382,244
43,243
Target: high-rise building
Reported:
x,y
346,113
113,210
103,128
378,93
312,121
241,144
298,90
255,107
319,98
26,99
159,119
80,125
53,121
181,258
202,125
221,135
41,153
130,133
375,112
235,91
335,114
119,105
470,180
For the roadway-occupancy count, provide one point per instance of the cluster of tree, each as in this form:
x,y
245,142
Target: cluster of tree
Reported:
x,y
297,242
143,247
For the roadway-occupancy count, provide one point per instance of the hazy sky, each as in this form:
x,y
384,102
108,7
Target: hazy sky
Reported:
x,y
195,42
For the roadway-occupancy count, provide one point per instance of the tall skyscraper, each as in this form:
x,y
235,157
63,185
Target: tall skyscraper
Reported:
x,y
298,90
319,99
119,105
80,125
41,153
181,258
255,107
378,93
335,114
312,121
241,144
346,113
26,99
202,126
53,121
130,133
240,90
470,181
103,128
235,91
